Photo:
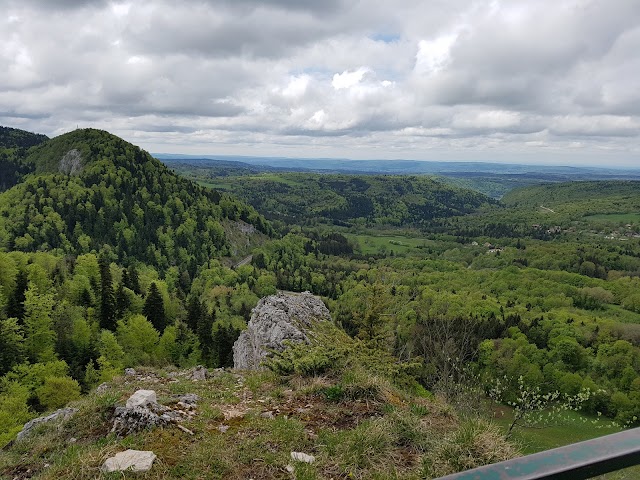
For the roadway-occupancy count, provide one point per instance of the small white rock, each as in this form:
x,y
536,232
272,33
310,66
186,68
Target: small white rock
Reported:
x,y
134,460
290,468
302,457
141,398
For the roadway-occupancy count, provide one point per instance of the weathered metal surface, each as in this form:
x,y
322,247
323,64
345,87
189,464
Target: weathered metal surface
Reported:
x,y
577,461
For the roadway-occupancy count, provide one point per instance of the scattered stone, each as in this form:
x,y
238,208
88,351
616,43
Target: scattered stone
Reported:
x,y
290,468
189,398
268,415
184,429
103,387
276,318
302,457
141,398
223,428
61,414
199,373
73,440
131,420
234,412
129,372
134,460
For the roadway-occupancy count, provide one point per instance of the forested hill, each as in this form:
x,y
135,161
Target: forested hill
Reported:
x,y
92,191
572,192
13,148
300,198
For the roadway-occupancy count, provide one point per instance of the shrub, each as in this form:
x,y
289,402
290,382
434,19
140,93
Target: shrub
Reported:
x,y
56,392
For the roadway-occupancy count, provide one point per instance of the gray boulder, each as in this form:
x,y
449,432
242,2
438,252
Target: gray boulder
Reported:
x,y
130,420
141,398
61,414
286,316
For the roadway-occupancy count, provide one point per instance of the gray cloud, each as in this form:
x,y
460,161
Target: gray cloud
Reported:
x,y
462,79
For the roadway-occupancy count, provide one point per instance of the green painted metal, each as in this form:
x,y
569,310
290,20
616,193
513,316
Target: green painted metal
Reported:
x,y
577,461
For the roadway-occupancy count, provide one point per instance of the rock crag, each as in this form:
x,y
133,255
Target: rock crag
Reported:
x,y
286,316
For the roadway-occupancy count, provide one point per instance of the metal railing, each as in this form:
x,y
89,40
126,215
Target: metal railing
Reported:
x,y
577,461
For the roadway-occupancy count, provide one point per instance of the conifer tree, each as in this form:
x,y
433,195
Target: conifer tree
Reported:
x,y
131,280
107,296
205,335
15,305
122,300
154,308
195,310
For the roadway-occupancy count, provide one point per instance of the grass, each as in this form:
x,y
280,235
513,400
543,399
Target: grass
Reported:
x,y
371,430
625,218
381,243
575,427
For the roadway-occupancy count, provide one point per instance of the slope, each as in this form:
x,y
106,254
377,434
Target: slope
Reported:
x,y
93,191
348,199
573,192
14,144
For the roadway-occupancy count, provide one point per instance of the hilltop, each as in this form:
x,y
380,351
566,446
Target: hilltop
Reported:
x,y
92,190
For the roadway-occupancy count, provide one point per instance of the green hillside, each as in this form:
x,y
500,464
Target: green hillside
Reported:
x,y
14,145
92,191
303,198
573,192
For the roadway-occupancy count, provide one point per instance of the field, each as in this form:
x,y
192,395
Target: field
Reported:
x,y
625,218
370,244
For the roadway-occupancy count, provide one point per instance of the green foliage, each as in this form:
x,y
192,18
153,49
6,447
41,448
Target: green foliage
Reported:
x,y
138,339
56,392
118,196
296,198
154,308
39,334
14,410
11,344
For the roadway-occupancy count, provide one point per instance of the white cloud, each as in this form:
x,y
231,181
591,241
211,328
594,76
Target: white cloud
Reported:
x,y
348,79
462,79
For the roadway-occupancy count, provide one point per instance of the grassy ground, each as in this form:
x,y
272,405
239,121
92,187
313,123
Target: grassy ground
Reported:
x,y
399,245
358,426
615,218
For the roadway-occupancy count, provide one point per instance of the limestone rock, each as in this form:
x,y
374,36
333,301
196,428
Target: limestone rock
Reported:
x,y
129,372
188,398
103,387
199,373
141,398
134,460
276,318
131,420
61,414
302,457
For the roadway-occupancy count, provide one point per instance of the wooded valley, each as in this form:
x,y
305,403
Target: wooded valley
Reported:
x,y
109,260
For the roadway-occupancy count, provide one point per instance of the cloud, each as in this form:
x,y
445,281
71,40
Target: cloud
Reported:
x,y
463,79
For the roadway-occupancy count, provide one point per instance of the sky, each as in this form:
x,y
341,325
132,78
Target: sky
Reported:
x,y
519,81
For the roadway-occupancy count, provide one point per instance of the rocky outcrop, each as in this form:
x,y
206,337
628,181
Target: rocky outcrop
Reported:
x,y
277,318
143,412
61,414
